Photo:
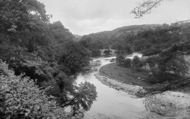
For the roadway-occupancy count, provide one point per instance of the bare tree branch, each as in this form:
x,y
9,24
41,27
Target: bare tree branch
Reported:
x,y
145,7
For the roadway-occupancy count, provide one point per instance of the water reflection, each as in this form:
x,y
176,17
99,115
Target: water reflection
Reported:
x,y
110,103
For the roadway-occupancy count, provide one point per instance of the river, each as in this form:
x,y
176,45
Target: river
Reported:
x,y
114,104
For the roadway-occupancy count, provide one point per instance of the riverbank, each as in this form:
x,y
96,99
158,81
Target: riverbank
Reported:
x,y
124,75
123,79
130,89
128,77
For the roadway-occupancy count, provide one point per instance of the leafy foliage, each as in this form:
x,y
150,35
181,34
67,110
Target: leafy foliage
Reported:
x,y
120,60
164,49
21,98
136,63
23,22
169,65
75,58
107,52
43,51
83,97
128,63
147,39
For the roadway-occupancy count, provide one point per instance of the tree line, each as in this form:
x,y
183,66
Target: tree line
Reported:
x,y
165,53
137,38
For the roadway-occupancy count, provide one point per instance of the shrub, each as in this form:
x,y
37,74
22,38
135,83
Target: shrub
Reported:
x,y
22,99
127,63
120,60
136,63
107,52
168,66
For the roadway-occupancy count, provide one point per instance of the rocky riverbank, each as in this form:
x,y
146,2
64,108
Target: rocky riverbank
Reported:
x,y
131,89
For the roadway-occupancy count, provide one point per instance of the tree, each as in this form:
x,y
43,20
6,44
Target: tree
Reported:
x,y
60,38
154,41
136,63
21,98
23,25
45,53
128,63
120,60
83,97
107,52
145,7
75,58
170,64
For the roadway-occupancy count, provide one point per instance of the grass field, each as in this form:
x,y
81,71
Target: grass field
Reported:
x,y
124,75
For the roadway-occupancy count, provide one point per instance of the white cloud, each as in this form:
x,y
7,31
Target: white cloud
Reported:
x,y
87,16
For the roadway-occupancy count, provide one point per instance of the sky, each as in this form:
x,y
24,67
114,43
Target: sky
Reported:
x,y
89,16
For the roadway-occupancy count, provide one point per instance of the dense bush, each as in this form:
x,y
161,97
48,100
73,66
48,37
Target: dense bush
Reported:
x,y
169,65
128,63
95,52
45,53
75,58
21,98
107,52
120,59
136,63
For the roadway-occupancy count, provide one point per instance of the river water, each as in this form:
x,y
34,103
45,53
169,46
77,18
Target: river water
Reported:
x,y
114,104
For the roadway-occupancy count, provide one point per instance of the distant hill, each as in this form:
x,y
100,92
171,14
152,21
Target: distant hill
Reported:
x,y
132,29
126,29
107,38
136,28
138,37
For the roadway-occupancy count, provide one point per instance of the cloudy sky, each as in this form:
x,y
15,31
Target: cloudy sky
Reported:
x,y
88,16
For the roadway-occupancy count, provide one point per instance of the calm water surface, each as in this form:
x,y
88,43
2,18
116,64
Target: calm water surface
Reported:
x,y
111,103
114,104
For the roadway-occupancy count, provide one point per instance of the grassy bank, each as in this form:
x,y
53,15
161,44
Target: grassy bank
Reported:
x,y
124,75
128,76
